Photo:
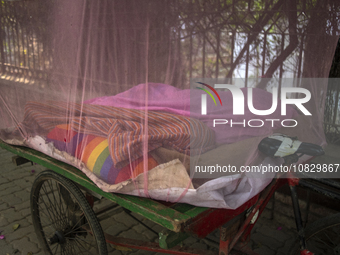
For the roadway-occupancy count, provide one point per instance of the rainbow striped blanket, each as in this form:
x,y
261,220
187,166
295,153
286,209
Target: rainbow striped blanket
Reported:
x,y
111,140
94,152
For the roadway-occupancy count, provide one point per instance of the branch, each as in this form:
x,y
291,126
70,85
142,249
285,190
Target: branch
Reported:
x,y
293,43
262,21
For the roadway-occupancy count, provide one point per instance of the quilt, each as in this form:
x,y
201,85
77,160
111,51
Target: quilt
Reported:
x,y
113,142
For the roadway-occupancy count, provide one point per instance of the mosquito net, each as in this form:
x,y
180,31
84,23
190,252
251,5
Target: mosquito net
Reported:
x,y
166,99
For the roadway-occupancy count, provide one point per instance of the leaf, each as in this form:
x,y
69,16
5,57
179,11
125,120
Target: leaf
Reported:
x,y
121,248
16,226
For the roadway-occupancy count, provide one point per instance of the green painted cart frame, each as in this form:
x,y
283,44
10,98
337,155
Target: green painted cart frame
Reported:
x,y
180,220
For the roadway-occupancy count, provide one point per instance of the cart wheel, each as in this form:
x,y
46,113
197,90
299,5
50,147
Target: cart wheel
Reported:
x,y
63,220
322,237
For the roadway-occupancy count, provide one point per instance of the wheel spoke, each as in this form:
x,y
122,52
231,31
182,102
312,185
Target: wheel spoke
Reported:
x,y
80,246
53,211
64,210
322,236
56,249
76,225
86,250
73,250
320,243
58,216
49,213
45,218
80,239
63,250
63,214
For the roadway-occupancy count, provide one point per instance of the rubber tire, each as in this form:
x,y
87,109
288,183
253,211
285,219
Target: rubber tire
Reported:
x,y
79,197
315,229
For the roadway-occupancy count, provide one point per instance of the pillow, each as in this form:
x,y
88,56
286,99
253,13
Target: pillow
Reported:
x,y
64,138
94,152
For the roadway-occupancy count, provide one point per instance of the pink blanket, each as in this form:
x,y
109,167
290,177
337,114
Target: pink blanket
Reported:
x,y
163,97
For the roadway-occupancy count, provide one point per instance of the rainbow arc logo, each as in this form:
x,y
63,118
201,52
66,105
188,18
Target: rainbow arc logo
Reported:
x,y
208,92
